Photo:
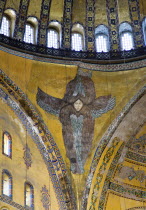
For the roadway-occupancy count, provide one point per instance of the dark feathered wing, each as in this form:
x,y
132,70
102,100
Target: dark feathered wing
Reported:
x,y
49,103
102,105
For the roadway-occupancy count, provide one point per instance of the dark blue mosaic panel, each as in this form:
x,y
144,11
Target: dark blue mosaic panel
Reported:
x,y
90,16
66,33
134,12
44,18
21,19
113,22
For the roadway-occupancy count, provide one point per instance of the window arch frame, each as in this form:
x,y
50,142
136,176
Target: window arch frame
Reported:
x,y
127,30
10,14
9,144
32,22
78,28
55,26
32,194
104,31
7,173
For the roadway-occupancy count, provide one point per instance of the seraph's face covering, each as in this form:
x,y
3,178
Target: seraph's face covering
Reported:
x,y
77,112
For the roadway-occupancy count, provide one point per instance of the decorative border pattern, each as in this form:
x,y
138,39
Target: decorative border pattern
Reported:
x,y
136,23
67,22
136,194
108,177
90,29
113,21
102,168
21,20
95,67
136,157
104,141
44,19
2,7
12,203
44,141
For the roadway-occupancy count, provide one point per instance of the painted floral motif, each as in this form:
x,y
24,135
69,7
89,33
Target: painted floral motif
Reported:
x,y
27,156
45,198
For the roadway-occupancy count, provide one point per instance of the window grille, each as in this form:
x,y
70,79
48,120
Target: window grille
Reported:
x,y
53,38
5,26
29,34
101,43
77,42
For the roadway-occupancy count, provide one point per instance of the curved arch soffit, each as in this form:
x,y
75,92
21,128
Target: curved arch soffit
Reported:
x,y
135,109
12,95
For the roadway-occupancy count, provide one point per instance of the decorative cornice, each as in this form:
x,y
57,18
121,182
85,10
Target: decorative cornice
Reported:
x,y
106,67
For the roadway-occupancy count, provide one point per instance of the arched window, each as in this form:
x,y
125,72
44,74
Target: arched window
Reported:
x,y
7,144
8,22
6,183
29,195
53,38
77,37
5,26
126,36
102,39
30,35
144,30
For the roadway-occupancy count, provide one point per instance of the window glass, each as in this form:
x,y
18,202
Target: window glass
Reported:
x,y
52,40
7,184
77,43
29,34
7,144
126,41
5,26
144,30
28,195
101,43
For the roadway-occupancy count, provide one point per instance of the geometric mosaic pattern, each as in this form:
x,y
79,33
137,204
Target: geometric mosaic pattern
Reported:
x,y
44,17
2,7
21,19
67,22
90,16
135,20
113,22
